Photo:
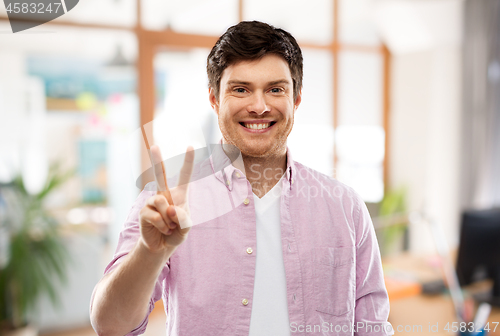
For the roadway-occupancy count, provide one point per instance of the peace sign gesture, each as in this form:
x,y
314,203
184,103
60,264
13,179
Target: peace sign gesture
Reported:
x,y
165,220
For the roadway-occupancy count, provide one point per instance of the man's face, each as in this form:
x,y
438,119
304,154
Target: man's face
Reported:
x,y
256,106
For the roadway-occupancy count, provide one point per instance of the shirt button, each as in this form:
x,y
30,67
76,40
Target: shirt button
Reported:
x,y
228,182
246,201
244,302
249,250
292,180
238,175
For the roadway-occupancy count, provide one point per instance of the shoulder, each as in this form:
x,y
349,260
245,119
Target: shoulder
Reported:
x,y
335,195
313,178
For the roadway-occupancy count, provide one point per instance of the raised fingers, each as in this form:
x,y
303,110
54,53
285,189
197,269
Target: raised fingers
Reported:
x,y
187,167
185,175
160,173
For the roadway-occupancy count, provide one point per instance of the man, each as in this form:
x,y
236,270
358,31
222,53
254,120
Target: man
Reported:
x,y
296,253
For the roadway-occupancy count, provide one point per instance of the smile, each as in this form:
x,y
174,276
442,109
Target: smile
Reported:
x,y
257,126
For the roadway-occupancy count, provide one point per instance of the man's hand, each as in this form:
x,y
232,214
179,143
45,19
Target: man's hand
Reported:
x,y
161,217
122,296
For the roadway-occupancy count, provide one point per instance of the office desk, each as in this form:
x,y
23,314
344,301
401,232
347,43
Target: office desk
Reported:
x,y
418,314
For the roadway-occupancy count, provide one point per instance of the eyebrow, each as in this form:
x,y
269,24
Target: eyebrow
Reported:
x,y
279,81
240,82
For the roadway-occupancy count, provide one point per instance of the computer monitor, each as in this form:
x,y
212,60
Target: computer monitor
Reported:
x,y
479,251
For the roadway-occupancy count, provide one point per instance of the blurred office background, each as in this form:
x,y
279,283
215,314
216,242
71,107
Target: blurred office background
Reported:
x,y
400,101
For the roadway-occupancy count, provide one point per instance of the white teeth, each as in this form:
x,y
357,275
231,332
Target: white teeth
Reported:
x,y
257,126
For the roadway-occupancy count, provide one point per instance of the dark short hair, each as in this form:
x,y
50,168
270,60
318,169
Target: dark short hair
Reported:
x,y
251,40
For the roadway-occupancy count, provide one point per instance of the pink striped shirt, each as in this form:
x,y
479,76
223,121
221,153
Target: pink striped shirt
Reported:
x,y
334,279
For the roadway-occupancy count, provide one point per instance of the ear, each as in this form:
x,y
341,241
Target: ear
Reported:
x,y
213,100
298,100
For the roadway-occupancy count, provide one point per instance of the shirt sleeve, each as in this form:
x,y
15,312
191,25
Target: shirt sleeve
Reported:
x,y
372,301
128,238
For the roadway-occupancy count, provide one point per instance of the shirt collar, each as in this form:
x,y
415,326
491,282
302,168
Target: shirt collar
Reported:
x,y
225,171
290,167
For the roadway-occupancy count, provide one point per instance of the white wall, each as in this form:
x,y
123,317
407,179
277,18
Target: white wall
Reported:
x,y
425,123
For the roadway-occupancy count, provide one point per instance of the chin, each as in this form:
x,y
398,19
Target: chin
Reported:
x,y
254,152
257,149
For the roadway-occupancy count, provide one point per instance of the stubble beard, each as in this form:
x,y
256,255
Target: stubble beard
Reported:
x,y
278,145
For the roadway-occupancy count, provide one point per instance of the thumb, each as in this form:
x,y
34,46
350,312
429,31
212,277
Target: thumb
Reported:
x,y
181,217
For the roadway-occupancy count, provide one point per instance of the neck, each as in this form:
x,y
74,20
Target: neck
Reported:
x,y
264,172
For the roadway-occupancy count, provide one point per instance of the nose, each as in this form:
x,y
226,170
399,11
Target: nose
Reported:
x,y
257,104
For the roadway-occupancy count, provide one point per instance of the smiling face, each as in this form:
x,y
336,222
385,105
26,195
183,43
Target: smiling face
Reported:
x,y
256,105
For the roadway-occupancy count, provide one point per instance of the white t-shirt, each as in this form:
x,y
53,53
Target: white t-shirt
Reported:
x,y
269,306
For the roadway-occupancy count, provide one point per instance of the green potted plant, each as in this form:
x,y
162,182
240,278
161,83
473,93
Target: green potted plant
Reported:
x,y
392,210
36,253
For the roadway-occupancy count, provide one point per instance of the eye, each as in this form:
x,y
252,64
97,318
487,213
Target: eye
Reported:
x,y
239,90
277,90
